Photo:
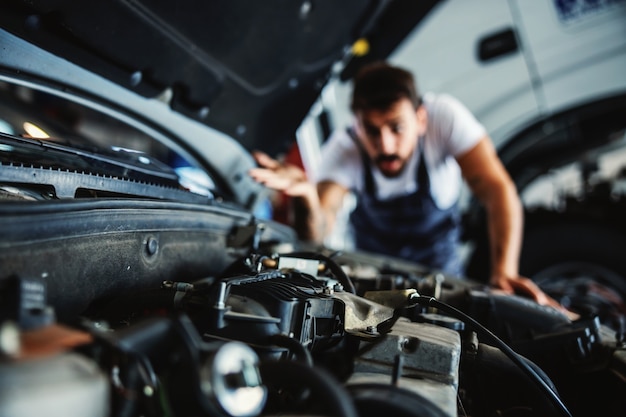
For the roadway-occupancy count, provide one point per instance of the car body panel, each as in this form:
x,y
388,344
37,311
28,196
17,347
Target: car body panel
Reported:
x,y
248,70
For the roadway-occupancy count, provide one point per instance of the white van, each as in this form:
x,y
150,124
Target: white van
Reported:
x,y
548,80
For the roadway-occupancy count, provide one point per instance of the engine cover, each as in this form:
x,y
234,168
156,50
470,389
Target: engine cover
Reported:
x,y
276,303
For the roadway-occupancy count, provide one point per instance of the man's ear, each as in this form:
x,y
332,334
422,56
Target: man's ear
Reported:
x,y
422,119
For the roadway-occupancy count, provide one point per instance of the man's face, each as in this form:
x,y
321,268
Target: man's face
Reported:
x,y
390,136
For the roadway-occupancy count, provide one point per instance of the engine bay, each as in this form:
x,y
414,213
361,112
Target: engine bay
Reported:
x,y
307,333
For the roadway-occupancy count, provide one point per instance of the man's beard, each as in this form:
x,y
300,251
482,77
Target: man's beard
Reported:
x,y
382,160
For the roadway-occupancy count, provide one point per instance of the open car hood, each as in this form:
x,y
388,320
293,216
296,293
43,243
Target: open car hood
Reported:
x,y
249,69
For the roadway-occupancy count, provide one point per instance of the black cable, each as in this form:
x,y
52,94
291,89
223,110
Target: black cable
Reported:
x,y
487,334
287,380
294,347
334,267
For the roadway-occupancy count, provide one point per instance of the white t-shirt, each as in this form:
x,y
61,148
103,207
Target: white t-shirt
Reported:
x,y
451,131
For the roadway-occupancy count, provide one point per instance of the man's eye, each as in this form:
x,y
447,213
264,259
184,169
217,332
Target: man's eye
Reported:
x,y
371,132
399,128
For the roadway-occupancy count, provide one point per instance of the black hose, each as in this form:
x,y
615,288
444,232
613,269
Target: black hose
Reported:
x,y
286,381
334,267
487,334
294,347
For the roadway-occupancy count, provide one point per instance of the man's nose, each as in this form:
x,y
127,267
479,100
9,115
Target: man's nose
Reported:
x,y
387,142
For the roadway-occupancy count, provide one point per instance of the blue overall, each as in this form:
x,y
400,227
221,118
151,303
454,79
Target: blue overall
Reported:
x,y
409,226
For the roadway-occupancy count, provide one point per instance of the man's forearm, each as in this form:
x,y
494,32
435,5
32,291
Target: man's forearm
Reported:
x,y
308,220
505,222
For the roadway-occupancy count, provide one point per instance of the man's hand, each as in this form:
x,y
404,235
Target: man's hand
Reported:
x,y
522,286
287,178
291,180
527,288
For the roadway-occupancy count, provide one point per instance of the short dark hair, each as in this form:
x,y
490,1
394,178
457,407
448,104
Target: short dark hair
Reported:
x,y
378,86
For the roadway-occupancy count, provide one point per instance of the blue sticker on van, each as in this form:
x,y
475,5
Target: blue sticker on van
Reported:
x,y
571,10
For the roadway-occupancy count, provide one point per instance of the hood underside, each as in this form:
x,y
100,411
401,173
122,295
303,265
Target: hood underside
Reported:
x,y
250,69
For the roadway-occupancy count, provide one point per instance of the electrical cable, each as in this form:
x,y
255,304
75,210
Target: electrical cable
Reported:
x,y
294,347
487,334
334,267
287,380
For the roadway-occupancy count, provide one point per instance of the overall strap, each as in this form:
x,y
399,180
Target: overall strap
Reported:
x,y
369,186
422,176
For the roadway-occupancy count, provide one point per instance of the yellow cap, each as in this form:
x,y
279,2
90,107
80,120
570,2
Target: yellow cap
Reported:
x,y
360,47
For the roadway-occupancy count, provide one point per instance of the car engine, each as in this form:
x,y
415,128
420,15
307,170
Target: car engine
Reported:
x,y
306,333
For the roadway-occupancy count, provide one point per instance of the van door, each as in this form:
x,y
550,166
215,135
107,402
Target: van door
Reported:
x,y
575,49
471,49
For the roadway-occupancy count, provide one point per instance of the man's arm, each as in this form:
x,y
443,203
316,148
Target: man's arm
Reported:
x,y
332,196
492,185
315,207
